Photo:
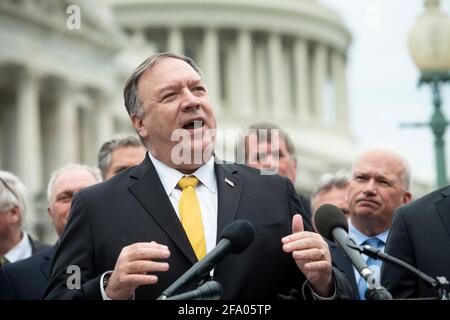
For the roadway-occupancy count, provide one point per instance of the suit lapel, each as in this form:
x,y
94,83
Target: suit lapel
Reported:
x,y
46,266
229,188
443,209
148,190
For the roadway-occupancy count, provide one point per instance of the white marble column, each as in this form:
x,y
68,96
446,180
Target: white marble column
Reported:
x,y
245,72
302,79
231,85
319,70
28,160
175,40
278,89
262,79
211,67
340,84
66,133
138,37
103,114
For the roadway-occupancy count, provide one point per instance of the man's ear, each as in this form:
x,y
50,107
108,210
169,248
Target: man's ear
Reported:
x,y
138,124
407,197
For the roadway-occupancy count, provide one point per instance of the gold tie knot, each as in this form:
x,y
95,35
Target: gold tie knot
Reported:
x,y
190,181
3,261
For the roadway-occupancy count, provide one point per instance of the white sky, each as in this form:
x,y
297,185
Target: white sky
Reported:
x,y
383,80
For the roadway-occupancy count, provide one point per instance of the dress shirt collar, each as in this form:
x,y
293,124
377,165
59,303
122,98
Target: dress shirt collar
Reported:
x,y
21,251
169,176
360,237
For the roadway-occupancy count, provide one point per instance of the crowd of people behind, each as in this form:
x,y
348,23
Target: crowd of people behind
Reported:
x,y
124,233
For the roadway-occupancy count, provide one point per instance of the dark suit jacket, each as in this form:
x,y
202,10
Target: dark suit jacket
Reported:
x,y
306,203
420,236
27,279
37,246
343,263
133,207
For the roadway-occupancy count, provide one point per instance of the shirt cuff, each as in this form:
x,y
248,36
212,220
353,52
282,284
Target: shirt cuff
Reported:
x,y
315,295
103,284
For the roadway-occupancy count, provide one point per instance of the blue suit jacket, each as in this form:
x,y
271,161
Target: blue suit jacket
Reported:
x,y
27,279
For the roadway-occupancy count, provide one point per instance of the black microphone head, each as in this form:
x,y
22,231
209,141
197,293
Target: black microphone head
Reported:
x,y
240,233
328,217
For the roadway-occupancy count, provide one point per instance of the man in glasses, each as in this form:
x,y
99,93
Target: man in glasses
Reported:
x,y
15,243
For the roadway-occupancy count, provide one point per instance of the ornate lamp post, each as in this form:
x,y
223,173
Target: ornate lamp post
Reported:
x,y
429,44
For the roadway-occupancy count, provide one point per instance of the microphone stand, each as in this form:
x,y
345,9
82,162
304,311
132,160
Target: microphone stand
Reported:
x,y
440,284
210,290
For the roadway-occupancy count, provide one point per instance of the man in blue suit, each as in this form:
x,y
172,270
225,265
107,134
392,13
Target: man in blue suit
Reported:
x,y
28,279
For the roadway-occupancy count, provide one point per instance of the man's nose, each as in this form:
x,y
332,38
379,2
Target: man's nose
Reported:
x,y
370,188
189,101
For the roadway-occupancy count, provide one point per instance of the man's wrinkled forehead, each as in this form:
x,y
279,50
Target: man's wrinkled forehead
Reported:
x,y
166,73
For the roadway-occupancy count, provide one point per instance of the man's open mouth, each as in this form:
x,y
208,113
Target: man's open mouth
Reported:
x,y
193,124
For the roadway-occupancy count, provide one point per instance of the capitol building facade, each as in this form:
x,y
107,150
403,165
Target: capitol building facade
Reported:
x,y
282,61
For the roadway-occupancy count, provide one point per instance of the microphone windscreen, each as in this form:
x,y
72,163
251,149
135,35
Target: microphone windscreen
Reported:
x,y
327,218
240,233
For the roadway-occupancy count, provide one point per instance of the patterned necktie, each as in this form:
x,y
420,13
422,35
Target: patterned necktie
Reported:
x,y
191,215
3,261
374,265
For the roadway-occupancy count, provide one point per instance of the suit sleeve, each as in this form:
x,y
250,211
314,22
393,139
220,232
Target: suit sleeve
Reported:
x,y
399,282
74,275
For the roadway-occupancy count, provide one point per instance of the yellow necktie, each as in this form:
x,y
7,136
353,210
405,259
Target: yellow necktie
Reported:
x,y
191,215
3,261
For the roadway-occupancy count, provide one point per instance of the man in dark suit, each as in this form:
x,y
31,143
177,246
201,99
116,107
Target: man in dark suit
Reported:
x,y
420,236
15,243
28,279
135,234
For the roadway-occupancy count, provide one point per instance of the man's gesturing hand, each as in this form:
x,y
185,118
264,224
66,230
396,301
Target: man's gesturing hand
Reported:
x,y
312,256
132,266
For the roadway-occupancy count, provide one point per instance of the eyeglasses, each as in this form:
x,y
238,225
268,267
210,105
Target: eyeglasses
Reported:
x,y
9,188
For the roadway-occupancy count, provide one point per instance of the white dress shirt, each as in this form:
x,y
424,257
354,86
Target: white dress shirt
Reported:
x,y
20,251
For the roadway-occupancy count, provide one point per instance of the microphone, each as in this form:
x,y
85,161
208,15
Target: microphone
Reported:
x,y
235,238
332,225
210,290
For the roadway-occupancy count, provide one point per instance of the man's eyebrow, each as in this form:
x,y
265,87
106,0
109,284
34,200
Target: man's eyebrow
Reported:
x,y
168,88
64,193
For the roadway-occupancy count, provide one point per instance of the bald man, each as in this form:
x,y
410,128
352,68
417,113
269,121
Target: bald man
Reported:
x,y
379,183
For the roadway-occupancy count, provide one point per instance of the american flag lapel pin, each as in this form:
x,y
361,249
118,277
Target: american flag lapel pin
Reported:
x,y
229,182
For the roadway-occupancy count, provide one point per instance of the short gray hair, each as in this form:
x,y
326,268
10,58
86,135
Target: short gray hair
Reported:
x,y
69,167
268,126
328,181
107,148
130,92
14,193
